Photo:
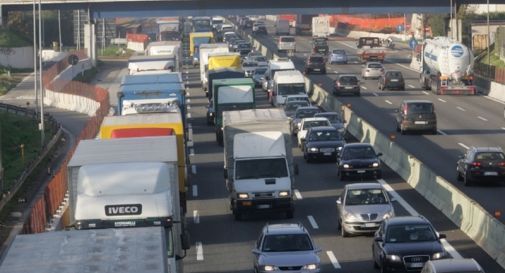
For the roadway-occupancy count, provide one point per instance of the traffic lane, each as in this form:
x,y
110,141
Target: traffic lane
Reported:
x,y
110,73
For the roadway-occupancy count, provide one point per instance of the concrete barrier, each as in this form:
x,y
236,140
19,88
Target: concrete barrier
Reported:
x,y
470,217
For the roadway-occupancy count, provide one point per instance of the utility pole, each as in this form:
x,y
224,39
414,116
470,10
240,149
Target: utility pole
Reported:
x,y
1,165
41,84
35,58
488,43
59,30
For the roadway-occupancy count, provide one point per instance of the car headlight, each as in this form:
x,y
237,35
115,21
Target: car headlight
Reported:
x,y
313,149
211,114
438,255
268,268
243,196
298,124
349,217
393,258
388,214
310,267
339,148
346,166
283,193
375,164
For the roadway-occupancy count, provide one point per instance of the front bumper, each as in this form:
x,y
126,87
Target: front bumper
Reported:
x,y
270,204
361,227
350,173
322,153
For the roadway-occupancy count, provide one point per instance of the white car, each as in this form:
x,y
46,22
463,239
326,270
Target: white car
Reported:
x,y
298,98
306,124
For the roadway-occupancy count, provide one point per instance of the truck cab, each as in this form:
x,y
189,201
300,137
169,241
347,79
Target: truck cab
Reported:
x,y
286,83
286,44
273,67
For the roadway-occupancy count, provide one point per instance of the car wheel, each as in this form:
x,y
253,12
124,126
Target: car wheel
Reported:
x,y
290,214
397,127
379,175
341,175
467,181
375,264
343,233
237,215
434,131
458,176
358,94
323,72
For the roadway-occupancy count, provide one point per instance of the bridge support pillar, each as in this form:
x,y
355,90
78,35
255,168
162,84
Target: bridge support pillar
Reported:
x,y
90,42
3,17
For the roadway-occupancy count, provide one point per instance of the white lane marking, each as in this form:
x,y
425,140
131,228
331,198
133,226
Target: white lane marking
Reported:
x,y
450,249
364,87
426,93
298,195
388,102
192,152
196,217
335,71
190,133
463,145
411,86
188,107
312,222
188,115
188,101
187,82
481,118
195,190
333,259
442,100
461,108
187,92
199,251
193,169
190,125
441,132
493,99
375,94
503,128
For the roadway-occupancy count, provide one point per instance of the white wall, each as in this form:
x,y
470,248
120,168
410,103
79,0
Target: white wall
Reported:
x,y
136,46
17,57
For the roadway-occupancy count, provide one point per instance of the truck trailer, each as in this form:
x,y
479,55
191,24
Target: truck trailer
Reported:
x,y
258,161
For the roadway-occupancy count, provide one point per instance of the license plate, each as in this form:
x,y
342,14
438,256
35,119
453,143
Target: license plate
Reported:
x,y
420,122
490,173
316,69
327,150
264,206
369,224
394,80
361,171
348,87
327,153
417,265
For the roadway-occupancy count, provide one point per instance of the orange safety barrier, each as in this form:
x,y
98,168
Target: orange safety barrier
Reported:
x,y
140,38
366,24
290,17
48,204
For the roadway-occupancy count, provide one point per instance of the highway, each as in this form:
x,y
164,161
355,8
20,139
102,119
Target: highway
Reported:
x,y
463,121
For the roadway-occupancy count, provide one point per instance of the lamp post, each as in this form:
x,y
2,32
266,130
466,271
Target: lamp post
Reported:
x,y
41,100
488,42
35,57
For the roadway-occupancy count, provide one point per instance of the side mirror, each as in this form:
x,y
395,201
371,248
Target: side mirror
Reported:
x,y
379,154
119,95
317,250
225,174
339,201
185,242
255,251
296,169
442,236
378,239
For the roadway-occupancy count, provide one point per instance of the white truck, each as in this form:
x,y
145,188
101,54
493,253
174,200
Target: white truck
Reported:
x,y
126,250
274,66
168,62
169,28
128,182
286,83
205,50
321,26
447,67
258,161
282,27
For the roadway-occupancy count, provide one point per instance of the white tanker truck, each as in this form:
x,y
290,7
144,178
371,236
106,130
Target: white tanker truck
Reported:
x,y
447,67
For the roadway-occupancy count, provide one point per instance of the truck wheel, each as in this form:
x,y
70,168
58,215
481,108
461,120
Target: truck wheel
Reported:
x,y
237,215
219,138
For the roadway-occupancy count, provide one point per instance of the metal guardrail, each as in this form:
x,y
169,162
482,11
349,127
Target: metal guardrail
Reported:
x,y
9,193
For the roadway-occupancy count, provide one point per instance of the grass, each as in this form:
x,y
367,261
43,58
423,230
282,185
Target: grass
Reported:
x,y
9,38
17,131
495,59
7,83
115,52
87,76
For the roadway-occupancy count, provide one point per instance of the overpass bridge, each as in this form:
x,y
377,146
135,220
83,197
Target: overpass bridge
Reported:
x,y
156,8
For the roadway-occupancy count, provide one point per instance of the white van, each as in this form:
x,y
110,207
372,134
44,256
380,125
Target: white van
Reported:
x,y
274,66
286,83
286,43
281,27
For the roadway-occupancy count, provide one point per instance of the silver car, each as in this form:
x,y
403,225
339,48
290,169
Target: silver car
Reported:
x,y
285,248
338,56
249,67
259,73
372,70
362,207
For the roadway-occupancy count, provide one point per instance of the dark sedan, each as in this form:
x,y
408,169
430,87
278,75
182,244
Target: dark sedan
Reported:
x,y
322,142
392,80
481,164
347,84
405,244
359,160
315,63
300,113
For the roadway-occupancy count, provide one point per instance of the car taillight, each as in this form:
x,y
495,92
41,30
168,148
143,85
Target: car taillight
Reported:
x,y
476,164
382,69
337,83
501,164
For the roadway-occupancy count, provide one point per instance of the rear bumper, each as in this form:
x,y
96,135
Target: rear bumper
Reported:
x,y
466,90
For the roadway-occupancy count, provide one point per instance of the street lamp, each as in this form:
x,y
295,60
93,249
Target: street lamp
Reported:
x,y
488,43
41,100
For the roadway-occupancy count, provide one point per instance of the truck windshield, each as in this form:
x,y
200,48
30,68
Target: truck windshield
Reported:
x,y
290,89
261,168
287,40
201,40
170,241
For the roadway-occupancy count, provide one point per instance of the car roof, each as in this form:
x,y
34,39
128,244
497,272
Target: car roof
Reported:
x,y
297,96
357,144
314,119
356,186
487,149
417,101
327,113
323,128
399,220
454,265
307,108
285,228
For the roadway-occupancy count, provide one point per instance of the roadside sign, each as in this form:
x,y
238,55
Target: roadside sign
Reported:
x,y
412,43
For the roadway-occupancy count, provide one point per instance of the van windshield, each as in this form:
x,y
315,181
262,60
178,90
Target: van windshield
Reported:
x,y
290,89
416,108
287,39
261,168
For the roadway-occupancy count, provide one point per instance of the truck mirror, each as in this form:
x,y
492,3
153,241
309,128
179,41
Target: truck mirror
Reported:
x,y
296,169
185,242
225,174
119,95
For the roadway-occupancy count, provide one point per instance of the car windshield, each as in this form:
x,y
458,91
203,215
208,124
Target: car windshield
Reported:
x,y
295,98
333,118
250,64
395,75
326,135
363,152
260,59
244,45
410,233
260,71
292,106
291,89
317,60
416,108
286,242
365,197
489,156
339,52
315,123
287,39
374,65
261,168
306,113
348,80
